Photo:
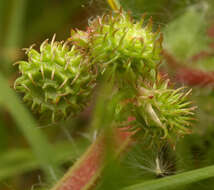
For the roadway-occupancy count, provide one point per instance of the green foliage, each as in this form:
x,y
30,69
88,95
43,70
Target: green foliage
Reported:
x,y
28,126
190,36
175,180
18,161
60,79
184,25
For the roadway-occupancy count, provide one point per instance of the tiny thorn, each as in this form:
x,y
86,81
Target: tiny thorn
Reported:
x,y
60,95
27,50
114,32
16,63
121,10
133,40
46,97
143,16
166,84
188,93
141,40
193,108
130,16
57,99
33,105
14,85
99,21
53,117
158,30
104,18
124,35
101,29
43,44
53,39
52,51
104,39
63,83
74,80
41,56
113,21
65,45
52,74
161,38
150,23
142,20
25,87
42,71
31,78
67,63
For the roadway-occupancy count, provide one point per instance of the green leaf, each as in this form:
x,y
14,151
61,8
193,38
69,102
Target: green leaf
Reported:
x,y
185,35
175,180
28,126
18,161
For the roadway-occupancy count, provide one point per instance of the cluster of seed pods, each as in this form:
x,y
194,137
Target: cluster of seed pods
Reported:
x,y
60,79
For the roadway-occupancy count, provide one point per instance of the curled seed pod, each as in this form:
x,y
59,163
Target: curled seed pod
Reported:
x,y
116,40
57,81
160,111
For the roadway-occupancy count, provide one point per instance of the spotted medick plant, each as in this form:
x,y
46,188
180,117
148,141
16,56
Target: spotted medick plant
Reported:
x,y
60,78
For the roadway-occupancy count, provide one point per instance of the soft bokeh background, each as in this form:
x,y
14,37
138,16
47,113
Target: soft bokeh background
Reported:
x,y
33,154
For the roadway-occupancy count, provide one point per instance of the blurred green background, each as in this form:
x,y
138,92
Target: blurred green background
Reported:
x,y
33,154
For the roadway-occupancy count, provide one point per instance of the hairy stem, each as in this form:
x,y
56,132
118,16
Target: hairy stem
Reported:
x,y
114,4
85,172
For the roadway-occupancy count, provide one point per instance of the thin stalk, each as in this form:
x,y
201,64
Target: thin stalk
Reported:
x,y
28,126
114,4
14,31
175,180
16,23
1,18
86,171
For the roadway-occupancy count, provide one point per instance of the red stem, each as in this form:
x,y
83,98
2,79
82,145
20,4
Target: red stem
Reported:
x,y
85,172
187,75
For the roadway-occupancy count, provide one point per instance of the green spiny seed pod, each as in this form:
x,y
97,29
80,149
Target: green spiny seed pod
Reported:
x,y
57,81
160,111
117,40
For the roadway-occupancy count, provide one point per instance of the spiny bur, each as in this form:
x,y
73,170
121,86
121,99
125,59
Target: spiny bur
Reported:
x,y
56,81
161,112
116,40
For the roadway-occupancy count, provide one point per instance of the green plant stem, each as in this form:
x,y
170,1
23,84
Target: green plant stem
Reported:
x,y
1,18
15,24
114,4
175,180
14,31
86,171
28,126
